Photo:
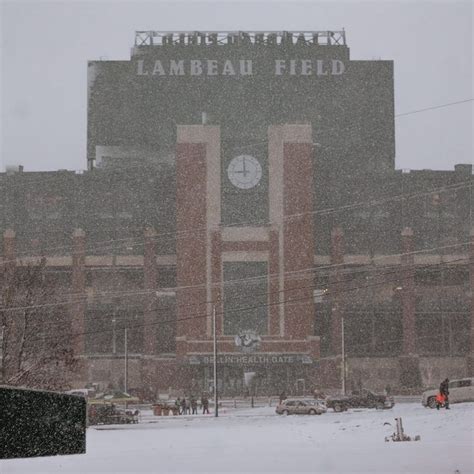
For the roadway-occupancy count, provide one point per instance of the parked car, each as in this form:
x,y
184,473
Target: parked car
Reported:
x,y
108,414
292,406
460,390
363,399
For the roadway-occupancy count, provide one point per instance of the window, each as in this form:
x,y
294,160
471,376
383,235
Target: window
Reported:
x,y
245,297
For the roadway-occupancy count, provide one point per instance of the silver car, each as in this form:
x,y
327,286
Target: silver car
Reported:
x,y
460,390
296,406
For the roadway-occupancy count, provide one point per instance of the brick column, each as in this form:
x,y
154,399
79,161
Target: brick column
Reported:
x,y
274,293
410,376
470,359
336,289
78,289
298,239
197,210
150,272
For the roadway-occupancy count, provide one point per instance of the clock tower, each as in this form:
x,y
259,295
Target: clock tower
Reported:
x,y
258,276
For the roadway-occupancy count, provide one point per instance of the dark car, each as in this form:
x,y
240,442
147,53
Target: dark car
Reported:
x,y
108,414
363,399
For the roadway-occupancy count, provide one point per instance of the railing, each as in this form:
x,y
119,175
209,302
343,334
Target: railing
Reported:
x,y
216,38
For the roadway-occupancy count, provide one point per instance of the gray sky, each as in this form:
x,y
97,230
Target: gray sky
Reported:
x,y
46,45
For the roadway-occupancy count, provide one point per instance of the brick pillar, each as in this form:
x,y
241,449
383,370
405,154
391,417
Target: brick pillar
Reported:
x,y
410,376
298,239
275,295
197,210
336,289
150,272
470,359
78,289
290,156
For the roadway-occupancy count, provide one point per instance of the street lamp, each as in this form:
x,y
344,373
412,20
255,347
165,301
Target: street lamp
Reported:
x,y
214,333
125,382
114,339
343,353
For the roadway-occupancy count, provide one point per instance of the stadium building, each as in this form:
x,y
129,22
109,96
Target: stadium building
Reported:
x,y
249,178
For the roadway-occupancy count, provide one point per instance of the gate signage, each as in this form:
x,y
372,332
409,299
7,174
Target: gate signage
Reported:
x,y
251,359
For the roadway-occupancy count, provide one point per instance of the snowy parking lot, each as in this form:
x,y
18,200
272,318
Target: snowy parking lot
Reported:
x,y
258,440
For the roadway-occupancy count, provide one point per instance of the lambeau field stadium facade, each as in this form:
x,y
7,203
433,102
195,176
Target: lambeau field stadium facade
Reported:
x,y
249,178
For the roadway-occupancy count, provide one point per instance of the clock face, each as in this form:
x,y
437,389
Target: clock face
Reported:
x,y
244,171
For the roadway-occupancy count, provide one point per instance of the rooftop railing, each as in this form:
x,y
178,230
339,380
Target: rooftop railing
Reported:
x,y
216,38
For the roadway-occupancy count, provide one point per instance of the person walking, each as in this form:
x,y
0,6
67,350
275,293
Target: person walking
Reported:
x,y
194,405
177,406
444,391
183,406
188,406
205,404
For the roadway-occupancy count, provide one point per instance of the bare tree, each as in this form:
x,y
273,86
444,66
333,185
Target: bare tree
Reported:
x,y
33,353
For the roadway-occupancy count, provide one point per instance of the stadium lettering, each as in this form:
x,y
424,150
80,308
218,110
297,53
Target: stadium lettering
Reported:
x,y
195,67
307,67
242,67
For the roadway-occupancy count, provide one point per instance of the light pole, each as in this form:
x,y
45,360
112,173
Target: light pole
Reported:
x,y
343,361
114,337
214,333
125,382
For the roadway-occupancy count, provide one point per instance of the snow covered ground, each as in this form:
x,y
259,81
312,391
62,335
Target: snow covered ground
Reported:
x,y
258,440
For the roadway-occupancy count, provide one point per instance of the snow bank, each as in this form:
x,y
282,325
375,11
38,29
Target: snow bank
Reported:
x,y
257,440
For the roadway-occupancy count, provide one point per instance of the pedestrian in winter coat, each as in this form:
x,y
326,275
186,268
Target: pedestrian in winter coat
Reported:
x,y
444,390
177,407
194,405
183,406
205,405
440,401
188,406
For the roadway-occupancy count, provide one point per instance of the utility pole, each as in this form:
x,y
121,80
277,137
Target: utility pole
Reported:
x,y
343,361
125,382
214,333
114,336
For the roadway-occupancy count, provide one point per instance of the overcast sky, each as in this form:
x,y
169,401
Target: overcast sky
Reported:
x,y
46,45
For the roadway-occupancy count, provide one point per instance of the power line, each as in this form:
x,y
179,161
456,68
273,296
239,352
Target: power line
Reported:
x,y
193,231
434,107
206,315
217,285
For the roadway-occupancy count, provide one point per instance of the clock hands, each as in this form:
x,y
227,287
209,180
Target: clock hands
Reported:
x,y
244,169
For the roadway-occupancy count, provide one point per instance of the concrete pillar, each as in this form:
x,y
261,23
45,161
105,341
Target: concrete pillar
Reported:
x,y
150,273
78,302
410,376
